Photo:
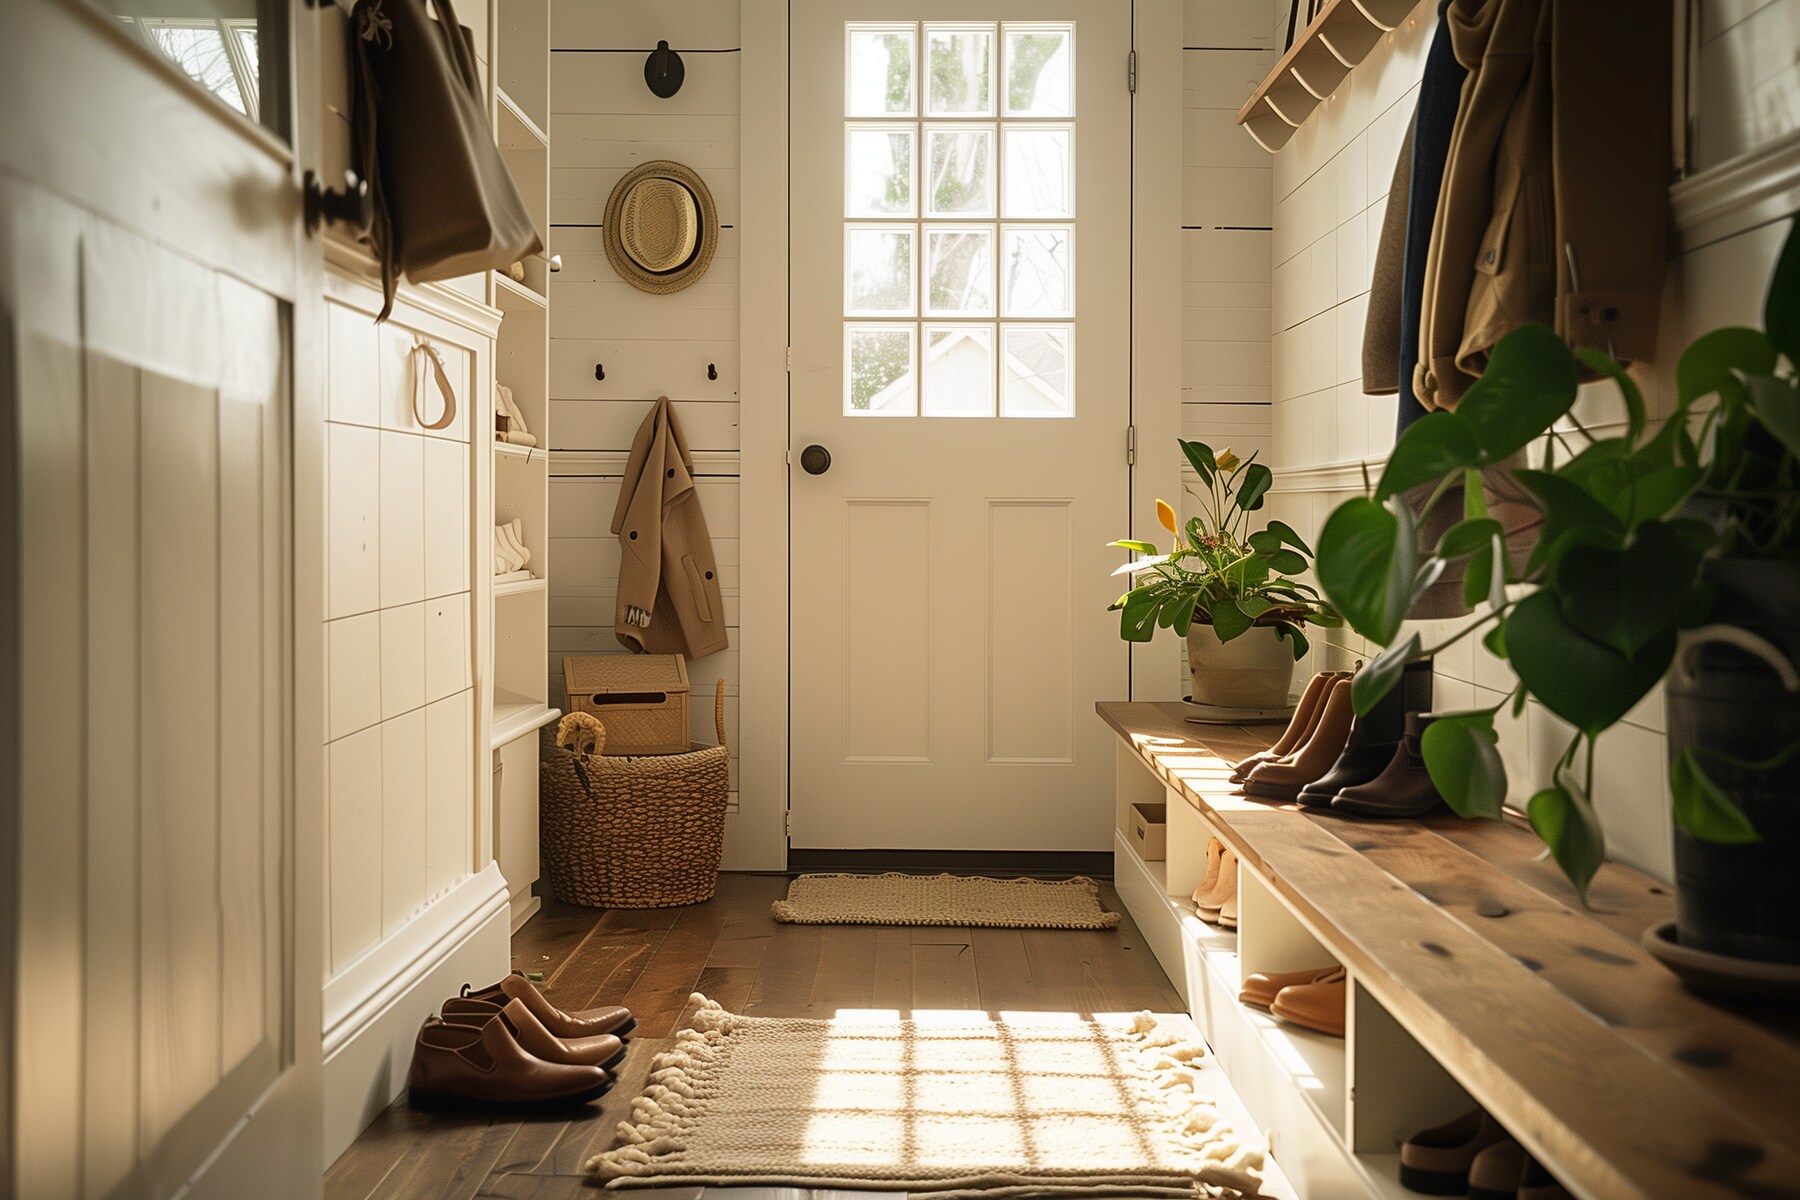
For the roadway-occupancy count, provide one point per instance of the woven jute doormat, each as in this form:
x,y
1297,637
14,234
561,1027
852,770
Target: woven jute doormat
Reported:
x,y
945,1104
896,899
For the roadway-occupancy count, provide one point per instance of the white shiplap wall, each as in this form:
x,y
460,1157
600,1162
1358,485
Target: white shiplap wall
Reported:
x,y
1330,192
603,122
1225,217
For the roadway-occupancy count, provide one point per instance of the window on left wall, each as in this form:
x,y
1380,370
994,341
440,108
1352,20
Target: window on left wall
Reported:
x,y
226,48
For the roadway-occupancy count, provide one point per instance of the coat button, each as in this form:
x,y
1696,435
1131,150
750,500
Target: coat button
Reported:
x,y
634,535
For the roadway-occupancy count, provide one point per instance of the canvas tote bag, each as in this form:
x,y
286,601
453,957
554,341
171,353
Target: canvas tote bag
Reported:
x,y
445,204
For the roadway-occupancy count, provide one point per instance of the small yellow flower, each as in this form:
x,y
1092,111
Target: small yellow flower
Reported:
x,y
1166,515
1228,462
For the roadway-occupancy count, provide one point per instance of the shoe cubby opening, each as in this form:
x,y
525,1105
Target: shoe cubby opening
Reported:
x,y
1272,939
1396,1088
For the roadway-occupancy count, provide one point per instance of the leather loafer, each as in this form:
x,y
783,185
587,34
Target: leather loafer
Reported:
x,y
1437,1161
1260,989
1504,1171
592,1022
1317,1006
462,1066
604,1050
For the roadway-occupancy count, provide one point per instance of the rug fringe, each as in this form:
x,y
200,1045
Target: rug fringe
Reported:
x,y
1168,1061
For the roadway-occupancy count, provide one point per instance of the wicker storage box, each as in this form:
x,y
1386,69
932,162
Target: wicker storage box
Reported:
x,y
642,699
631,832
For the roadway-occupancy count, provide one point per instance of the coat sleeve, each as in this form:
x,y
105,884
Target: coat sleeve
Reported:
x,y
1614,158
638,523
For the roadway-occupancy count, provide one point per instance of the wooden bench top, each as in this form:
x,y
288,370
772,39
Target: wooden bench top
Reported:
x,y
1553,1016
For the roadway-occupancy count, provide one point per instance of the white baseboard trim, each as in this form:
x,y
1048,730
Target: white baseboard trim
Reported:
x,y
374,1006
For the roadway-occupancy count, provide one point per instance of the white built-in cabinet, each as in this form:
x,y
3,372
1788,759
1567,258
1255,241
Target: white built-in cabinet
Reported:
x,y
519,695
434,675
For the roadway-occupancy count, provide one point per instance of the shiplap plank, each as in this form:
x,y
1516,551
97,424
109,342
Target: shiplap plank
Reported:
x,y
639,322
614,83
611,424
578,194
688,26
641,368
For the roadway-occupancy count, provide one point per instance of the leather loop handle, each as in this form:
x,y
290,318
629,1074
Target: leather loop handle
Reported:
x,y
719,711
1733,635
443,382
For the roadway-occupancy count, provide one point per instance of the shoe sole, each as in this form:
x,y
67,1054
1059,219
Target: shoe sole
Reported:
x,y
1288,1016
449,1102
615,1060
1434,1183
624,1031
1375,812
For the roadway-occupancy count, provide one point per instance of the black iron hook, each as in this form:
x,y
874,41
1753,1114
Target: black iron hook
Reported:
x,y
663,71
599,371
712,372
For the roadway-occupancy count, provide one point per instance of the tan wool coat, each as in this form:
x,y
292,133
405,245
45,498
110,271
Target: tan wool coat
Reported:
x,y
669,601
1554,206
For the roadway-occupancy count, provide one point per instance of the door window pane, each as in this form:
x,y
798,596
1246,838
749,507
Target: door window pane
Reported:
x,y
960,162
880,72
959,371
1036,275
878,171
960,262
880,371
1035,371
1037,177
960,65
217,45
1040,79
878,271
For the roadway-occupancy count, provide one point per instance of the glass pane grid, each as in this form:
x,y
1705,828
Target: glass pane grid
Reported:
x,y
959,204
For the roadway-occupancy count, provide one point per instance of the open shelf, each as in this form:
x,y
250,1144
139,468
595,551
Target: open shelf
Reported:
x,y
530,453
1322,55
519,587
512,289
517,128
516,715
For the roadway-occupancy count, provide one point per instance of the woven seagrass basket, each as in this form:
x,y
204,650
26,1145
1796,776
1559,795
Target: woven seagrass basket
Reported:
x,y
644,831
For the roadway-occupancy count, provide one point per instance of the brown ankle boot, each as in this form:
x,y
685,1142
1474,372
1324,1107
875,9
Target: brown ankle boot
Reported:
x,y
1282,778
1404,789
1306,715
590,1023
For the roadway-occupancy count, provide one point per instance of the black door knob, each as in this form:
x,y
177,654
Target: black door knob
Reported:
x,y
815,459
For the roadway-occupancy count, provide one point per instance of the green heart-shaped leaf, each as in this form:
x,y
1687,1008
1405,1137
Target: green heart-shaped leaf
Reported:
x,y
1570,829
1257,480
1627,598
1702,807
1356,553
1200,456
1566,507
1602,363
1466,537
1586,683
1528,385
1711,360
1781,309
1229,621
1379,677
1432,447
1285,532
1462,755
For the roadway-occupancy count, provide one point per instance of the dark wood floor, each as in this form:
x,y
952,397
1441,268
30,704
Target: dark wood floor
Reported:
x,y
731,950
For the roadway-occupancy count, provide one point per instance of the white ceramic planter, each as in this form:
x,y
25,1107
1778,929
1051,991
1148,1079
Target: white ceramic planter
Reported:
x,y
1253,670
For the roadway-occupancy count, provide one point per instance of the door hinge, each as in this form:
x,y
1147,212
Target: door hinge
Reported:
x,y
790,360
787,823
1131,445
1131,72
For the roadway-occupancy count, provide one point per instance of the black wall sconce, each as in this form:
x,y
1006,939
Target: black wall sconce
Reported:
x,y
663,71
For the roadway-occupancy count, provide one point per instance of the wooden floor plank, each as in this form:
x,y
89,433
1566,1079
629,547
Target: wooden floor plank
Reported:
x,y
944,976
731,950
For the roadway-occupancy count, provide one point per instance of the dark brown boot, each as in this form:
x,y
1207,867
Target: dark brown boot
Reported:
x,y
1404,789
1373,737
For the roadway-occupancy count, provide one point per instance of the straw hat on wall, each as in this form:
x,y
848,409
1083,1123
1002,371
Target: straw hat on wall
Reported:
x,y
660,227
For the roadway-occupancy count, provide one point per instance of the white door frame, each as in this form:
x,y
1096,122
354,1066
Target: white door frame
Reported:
x,y
760,833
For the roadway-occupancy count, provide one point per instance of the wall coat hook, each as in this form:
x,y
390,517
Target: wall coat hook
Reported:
x,y
663,71
600,371
712,371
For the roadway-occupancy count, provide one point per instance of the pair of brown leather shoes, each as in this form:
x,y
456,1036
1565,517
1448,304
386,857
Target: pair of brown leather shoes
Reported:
x,y
507,1047
1313,998
1472,1155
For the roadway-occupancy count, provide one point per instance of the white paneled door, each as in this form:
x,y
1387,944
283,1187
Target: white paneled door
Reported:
x,y
159,1020
960,395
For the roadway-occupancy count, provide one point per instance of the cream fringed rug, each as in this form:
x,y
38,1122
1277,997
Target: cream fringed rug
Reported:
x,y
896,899
947,1104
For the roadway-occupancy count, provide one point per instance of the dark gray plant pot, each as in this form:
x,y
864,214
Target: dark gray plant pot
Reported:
x,y
1743,901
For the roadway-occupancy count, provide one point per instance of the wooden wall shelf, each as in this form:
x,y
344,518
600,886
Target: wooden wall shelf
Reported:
x,y
1475,974
1324,53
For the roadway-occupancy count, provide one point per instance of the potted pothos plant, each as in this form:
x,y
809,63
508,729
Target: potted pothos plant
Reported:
x,y
1232,591
1666,548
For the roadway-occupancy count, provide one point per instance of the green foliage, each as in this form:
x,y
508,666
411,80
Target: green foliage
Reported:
x,y
1219,571
1624,525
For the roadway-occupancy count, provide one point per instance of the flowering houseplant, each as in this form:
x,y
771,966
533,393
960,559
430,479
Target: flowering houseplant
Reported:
x,y
1219,572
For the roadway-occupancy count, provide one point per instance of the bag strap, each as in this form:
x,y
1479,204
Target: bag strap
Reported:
x,y
719,711
443,383
460,51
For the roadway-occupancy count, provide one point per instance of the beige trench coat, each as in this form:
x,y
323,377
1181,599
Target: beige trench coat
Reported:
x,y
669,601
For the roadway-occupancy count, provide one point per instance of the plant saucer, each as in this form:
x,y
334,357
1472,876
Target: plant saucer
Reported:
x,y
1720,974
1223,714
